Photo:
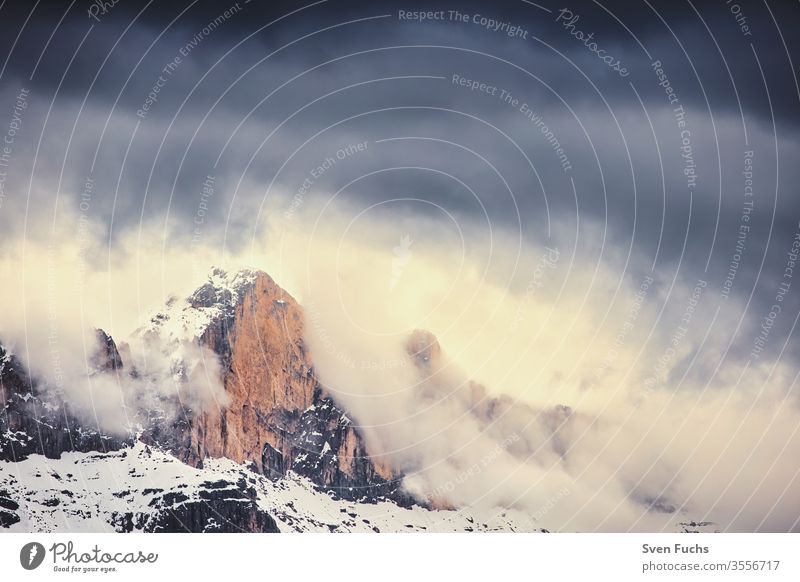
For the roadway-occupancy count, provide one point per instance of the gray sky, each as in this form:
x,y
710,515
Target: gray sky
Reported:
x,y
264,95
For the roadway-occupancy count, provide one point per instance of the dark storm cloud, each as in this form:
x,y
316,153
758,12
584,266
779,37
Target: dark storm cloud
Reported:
x,y
207,109
631,24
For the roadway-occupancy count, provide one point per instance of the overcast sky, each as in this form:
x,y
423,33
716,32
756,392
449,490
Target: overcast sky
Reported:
x,y
259,97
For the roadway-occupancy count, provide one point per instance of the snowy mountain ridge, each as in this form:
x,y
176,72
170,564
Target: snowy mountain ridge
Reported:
x,y
141,488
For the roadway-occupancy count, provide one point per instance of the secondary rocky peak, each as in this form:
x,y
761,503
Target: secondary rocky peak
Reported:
x,y
107,357
423,348
36,420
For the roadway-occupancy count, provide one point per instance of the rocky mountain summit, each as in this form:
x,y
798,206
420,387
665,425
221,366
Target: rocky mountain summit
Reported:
x,y
272,416
277,416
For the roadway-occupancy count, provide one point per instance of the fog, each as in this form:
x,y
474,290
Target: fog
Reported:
x,y
661,428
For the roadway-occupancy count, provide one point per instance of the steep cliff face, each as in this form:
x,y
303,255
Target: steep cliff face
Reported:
x,y
327,447
268,380
277,417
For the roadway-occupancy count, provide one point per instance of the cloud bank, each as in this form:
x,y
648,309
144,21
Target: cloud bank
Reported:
x,y
594,416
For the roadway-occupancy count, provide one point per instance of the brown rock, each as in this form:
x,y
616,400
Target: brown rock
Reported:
x,y
277,417
268,382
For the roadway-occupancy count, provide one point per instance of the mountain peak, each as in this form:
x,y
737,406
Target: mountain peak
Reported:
x,y
226,278
186,319
223,287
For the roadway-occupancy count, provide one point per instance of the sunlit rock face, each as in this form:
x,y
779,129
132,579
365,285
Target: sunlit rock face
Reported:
x,y
275,415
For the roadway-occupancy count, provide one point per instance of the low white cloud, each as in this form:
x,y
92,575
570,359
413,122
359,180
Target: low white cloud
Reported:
x,y
647,441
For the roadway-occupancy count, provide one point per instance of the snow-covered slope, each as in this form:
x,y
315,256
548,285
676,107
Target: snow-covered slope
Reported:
x,y
140,488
